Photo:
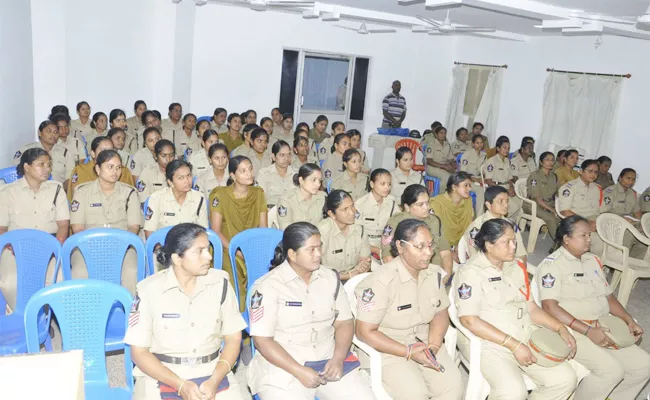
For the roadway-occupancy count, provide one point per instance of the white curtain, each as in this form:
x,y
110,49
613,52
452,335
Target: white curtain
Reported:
x,y
455,118
488,109
580,111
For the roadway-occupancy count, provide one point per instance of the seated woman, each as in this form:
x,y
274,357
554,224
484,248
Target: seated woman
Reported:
x,y
76,147
523,161
345,244
106,203
306,201
604,179
83,173
318,134
287,336
355,143
99,126
216,176
403,175
161,320
402,313
259,154
31,202
286,133
541,187
235,208
266,123
462,142
176,204
187,141
560,160
148,119
277,178
133,124
496,203
200,160
232,138
573,288
246,136
333,164
471,162
375,208
81,126
584,197
352,180
495,303
218,122
118,137
498,172
415,201
145,156
302,153
154,177
566,173
440,161
454,207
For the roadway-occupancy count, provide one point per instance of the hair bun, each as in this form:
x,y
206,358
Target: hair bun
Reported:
x,y
296,180
162,257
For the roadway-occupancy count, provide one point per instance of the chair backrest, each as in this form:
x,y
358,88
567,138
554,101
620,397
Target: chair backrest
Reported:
x,y
103,250
158,237
453,314
557,210
534,289
273,218
645,224
82,308
413,145
458,157
8,174
329,185
194,181
33,250
144,207
463,249
349,287
521,189
258,246
611,228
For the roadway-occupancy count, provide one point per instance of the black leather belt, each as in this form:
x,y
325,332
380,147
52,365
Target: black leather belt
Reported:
x,y
187,360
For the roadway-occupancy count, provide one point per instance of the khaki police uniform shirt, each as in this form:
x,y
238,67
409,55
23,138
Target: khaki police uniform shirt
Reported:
x,y
206,181
605,181
293,207
167,321
62,160
126,157
374,216
241,150
333,166
403,306
92,208
22,208
187,145
132,125
151,180
520,168
77,129
364,160
343,251
296,163
476,225
138,140
230,142
200,163
460,147
141,159
259,164
324,148
91,136
435,227
318,138
543,186
356,189
498,169
83,173
298,316
438,152
582,199
497,296
644,201
471,162
75,148
619,201
280,135
401,181
274,185
579,285
220,129
163,210
566,174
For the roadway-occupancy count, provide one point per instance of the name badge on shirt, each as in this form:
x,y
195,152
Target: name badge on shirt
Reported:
x,y
370,219
579,275
293,303
168,214
337,251
404,307
494,279
171,315
96,205
401,183
157,184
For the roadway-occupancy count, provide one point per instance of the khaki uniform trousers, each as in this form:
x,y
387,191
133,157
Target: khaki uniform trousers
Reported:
x,y
551,220
129,269
8,277
146,388
504,374
625,371
352,386
408,380
440,174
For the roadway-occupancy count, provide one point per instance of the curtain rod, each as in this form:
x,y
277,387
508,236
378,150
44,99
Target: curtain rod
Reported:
x,y
481,65
628,76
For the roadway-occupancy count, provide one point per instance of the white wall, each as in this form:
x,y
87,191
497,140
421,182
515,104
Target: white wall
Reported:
x,y
523,87
16,78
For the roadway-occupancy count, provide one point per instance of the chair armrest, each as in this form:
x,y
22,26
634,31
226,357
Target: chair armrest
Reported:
x,y
451,339
376,383
639,236
625,250
3,305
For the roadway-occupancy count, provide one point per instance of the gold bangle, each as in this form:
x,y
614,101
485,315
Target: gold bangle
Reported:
x,y
181,388
513,352
505,340
226,362
434,345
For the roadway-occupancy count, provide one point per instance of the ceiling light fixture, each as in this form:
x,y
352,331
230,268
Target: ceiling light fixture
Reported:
x,y
200,2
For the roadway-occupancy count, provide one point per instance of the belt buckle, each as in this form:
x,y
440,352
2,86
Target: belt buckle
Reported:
x,y
520,313
189,361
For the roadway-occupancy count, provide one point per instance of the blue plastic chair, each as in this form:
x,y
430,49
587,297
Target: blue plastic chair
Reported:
x,y
103,250
458,157
473,196
433,185
158,237
510,155
9,174
82,308
144,207
194,182
329,186
204,118
33,250
258,246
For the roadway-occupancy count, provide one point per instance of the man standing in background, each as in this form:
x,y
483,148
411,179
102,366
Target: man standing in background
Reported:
x,y
394,108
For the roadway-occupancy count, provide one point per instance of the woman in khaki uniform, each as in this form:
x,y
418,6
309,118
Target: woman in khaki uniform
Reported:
x,y
217,176
345,245
146,155
244,148
81,127
462,142
200,160
318,133
352,180
306,201
176,204
573,288
153,177
286,131
117,119
232,138
302,153
100,128
471,162
498,172
187,140
31,202
259,154
541,187
74,146
333,164
566,172
440,160
355,143
134,123
267,124
523,161
218,122
403,175
277,179
106,203
402,313
184,325
604,179
292,326
495,302
375,208
149,119
118,137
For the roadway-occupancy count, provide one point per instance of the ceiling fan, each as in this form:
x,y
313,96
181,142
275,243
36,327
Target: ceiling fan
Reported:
x,y
446,27
362,30
263,5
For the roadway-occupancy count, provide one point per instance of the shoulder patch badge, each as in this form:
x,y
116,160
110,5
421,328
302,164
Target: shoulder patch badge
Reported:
x,y
148,214
533,182
17,155
188,151
473,233
215,202
257,309
490,168
646,197
282,211
132,164
464,291
513,166
74,206
464,162
566,192
357,214
366,302
548,281
322,150
607,200
75,177
140,186
328,174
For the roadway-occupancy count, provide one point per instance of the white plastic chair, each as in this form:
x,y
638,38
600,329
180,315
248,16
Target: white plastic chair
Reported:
x,y
557,210
645,224
273,218
611,229
535,222
463,250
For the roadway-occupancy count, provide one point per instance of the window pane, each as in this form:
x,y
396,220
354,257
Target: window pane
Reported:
x,y
358,103
321,82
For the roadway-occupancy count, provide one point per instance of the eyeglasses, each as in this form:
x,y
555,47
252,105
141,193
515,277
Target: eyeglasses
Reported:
x,y
421,246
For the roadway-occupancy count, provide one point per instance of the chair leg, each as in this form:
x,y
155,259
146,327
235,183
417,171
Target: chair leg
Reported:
x,y
532,236
522,223
48,343
616,278
625,289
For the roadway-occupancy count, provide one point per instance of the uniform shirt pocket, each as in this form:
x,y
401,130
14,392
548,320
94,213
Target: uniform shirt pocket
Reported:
x,y
492,293
171,331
